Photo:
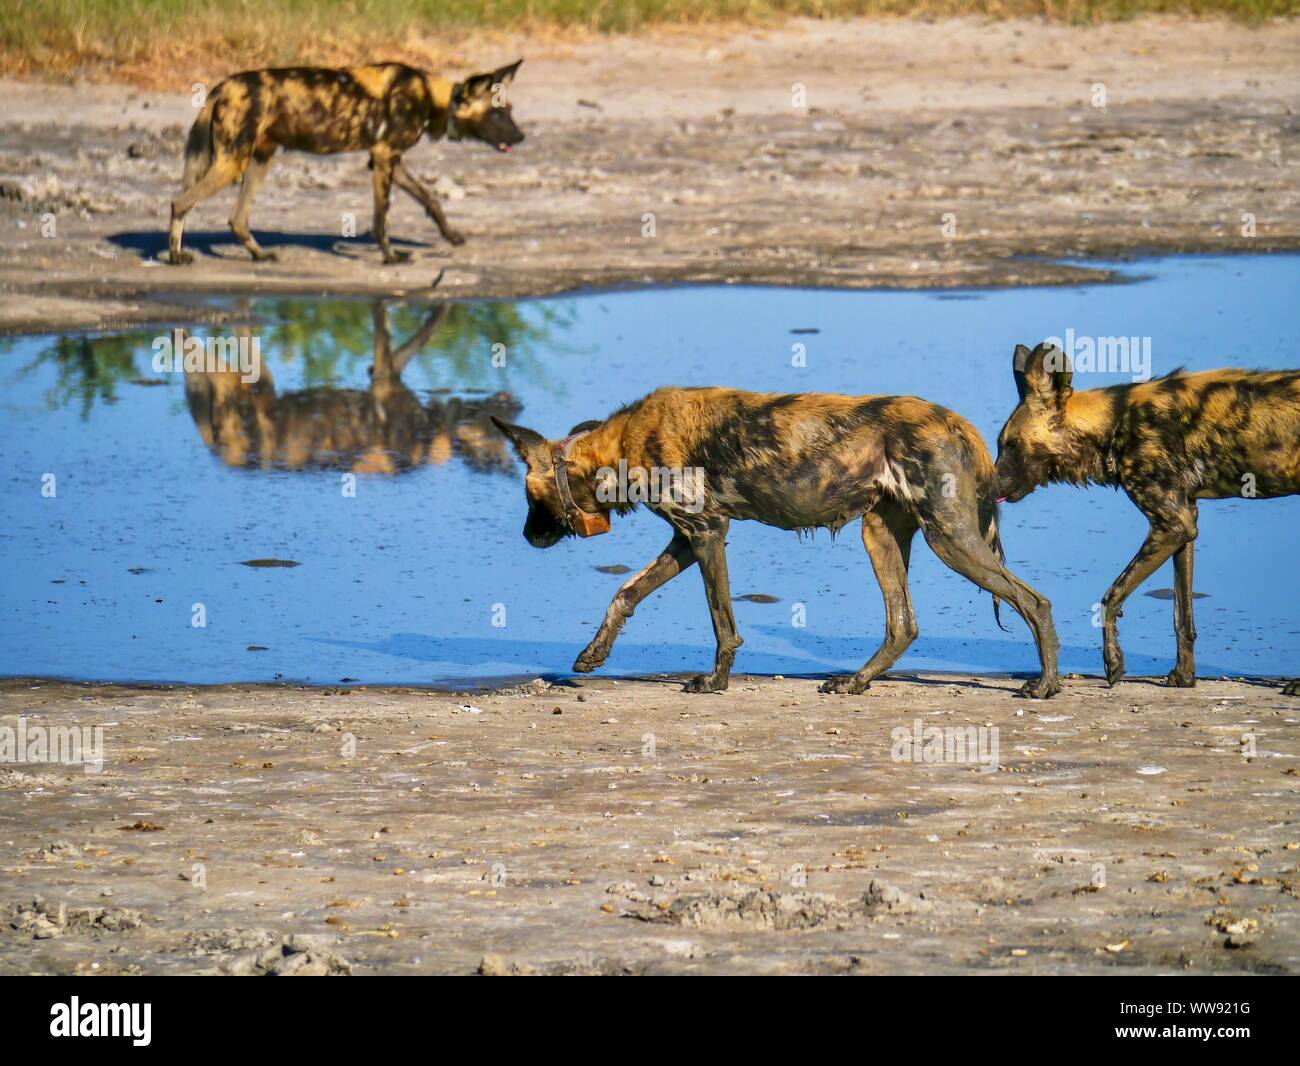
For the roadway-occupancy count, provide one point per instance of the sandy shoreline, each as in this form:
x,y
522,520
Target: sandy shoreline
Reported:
x,y
629,828
995,127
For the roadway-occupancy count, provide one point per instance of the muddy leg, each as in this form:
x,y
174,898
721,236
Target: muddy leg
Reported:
x,y
1173,524
1183,674
887,535
671,561
221,173
239,219
407,182
710,549
964,551
382,164
1291,688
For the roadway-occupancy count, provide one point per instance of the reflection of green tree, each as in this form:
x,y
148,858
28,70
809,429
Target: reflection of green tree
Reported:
x,y
331,340
91,368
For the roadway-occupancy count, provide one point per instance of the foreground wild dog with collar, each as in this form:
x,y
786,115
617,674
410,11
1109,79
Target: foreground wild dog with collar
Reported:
x,y
1167,443
794,462
383,109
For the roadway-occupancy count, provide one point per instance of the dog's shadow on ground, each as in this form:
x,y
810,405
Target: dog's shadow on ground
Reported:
x,y
222,244
823,656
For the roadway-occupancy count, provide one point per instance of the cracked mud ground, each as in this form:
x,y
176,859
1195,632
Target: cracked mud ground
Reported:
x,y
906,122
629,828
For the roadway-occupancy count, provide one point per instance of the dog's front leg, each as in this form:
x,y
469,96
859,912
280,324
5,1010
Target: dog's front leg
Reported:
x,y
407,182
671,561
710,548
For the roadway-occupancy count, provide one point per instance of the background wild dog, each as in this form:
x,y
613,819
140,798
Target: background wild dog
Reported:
x,y
383,109
794,462
1167,443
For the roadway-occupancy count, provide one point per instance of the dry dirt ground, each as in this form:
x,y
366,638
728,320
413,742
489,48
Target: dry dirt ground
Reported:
x,y
994,124
628,828
608,827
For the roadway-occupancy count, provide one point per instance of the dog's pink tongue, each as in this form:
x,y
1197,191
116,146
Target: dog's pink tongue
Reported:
x,y
1002,499
505,147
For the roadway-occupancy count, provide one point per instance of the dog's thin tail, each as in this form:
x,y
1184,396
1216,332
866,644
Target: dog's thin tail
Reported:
x,y
198,147
981,464
992,537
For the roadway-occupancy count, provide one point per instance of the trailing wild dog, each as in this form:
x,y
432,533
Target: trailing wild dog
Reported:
x,y
383,109
794,462
1167,443
384,429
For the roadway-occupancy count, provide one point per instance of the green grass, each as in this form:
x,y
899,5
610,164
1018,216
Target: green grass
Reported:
x,y
137,38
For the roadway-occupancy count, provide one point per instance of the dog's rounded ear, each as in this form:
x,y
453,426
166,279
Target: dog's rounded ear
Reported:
x,y
1043,374
529,444
474,86
1057,364
504,75
586,427
1020,371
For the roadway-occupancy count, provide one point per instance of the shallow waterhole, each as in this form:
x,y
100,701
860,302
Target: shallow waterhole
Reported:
x,y
403,508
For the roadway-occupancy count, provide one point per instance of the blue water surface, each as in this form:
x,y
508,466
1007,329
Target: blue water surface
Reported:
x,y
421,576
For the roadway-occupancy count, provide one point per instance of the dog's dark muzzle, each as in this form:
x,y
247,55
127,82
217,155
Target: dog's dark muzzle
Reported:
x,y
1011,489
541,530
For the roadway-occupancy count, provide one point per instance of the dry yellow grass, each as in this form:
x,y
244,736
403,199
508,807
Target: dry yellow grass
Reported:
x,y
169,43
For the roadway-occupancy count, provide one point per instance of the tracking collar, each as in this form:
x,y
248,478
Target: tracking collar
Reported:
x,y
583,523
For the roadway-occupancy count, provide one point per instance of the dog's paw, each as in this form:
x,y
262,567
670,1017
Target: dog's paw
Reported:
x,y
1113,659
263,256
848,685
1039,688
1291,688
180,258
585,664
1177,680
454,236
705,683
393,258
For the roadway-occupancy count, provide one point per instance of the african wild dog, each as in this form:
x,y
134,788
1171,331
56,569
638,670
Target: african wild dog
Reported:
x,y
794,462
383,109
1167,443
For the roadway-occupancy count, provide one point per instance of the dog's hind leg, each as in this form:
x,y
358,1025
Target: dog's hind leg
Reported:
x,y
953,534
382,163
675,558
239,218
710,548
1291,688
407,182
1183,674
887,535
224,170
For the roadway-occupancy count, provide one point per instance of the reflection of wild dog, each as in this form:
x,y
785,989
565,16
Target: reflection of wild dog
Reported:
x,y
384,430
383,109
793,462
1167,443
